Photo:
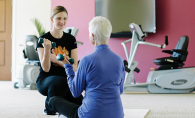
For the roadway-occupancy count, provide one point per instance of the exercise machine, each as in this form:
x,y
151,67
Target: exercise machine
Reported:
x,y
29,72
170,77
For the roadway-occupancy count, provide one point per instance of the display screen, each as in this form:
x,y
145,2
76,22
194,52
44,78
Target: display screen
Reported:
x,y
123,12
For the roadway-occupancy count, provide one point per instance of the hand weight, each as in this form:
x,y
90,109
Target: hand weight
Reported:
x,y
40,41
60,57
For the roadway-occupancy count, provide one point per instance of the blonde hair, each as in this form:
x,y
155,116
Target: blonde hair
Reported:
x,y
58,9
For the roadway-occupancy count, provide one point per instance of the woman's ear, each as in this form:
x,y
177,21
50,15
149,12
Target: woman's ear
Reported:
x,y
92,36
51,19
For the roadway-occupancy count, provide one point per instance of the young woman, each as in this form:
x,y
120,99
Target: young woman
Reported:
x,y
52,78
101,74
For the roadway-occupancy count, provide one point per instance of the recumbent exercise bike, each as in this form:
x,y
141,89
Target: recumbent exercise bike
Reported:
x,y
170,77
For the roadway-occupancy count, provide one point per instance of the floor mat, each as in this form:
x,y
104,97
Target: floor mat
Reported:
x,y
135,113
129,113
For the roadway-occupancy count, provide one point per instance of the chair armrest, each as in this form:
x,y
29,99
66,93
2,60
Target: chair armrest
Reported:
x,y
182,52
168,51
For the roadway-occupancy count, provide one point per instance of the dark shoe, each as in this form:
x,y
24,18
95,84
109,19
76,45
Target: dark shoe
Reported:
x,y
48,112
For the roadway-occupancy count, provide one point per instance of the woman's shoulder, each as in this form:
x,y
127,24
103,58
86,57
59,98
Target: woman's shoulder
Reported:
x,y
68,35
45,35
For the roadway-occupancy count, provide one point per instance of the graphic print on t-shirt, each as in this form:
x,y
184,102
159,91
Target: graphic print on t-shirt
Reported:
x,y
61,50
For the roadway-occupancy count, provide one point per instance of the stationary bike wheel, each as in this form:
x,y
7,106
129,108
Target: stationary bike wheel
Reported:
x,y
16,85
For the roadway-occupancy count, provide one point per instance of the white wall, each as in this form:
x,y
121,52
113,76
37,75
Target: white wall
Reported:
x,y
24,11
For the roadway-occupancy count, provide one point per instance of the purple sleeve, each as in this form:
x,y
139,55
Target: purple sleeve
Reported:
x,y
76,81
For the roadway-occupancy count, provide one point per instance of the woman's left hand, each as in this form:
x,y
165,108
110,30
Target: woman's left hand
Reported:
x,y
65,61
53,57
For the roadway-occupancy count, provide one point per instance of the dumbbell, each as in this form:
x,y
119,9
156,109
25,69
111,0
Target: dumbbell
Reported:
x,y
40,41
60,57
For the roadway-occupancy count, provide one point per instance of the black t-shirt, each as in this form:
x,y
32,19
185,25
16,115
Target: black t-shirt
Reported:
x,y
64,45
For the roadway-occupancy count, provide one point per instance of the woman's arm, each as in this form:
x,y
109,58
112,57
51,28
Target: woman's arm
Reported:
x,y
75,57
44,59
44,55
76,81
122,77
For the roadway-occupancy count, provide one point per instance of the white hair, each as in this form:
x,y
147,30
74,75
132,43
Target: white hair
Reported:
x,y
101,28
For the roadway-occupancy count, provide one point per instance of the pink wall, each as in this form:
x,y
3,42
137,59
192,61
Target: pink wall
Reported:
x,y
174,18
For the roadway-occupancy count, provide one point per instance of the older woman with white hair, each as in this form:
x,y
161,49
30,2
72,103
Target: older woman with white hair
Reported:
x,y
101,74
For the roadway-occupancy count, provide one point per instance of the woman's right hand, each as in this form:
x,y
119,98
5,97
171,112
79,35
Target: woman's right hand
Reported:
x,y
46,44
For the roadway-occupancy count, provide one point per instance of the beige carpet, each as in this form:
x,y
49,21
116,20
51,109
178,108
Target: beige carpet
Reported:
x,y
162,105
25,103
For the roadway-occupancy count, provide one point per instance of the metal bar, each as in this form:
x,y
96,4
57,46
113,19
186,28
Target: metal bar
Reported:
x,y
151,44
140,84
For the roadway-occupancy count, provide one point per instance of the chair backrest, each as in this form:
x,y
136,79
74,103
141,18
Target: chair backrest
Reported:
x,y
181,45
